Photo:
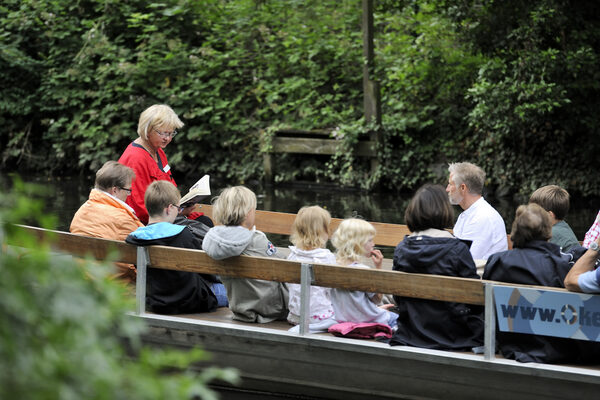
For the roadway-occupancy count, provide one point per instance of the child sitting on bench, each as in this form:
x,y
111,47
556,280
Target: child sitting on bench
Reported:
x,y
173,292
555,200
310,232
251,300
353,240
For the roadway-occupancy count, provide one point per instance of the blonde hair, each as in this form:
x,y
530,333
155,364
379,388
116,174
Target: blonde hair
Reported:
x,y
157,115
159,195
350,238
309,226
232,206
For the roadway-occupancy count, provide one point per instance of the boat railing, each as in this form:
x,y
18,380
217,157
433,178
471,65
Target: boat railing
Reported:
x,y
519,308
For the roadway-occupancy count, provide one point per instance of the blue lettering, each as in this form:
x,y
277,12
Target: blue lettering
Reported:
x,y
509,311
596,319
546,314
585,317
528,312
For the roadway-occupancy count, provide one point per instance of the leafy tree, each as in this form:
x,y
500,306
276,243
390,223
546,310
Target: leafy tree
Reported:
x,y
534,119
510,85
424,71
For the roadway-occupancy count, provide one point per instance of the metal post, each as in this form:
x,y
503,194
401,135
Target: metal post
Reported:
x,y
306,279
140,283
489,335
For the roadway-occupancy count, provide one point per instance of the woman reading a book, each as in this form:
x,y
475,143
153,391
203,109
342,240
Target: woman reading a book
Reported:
x,y
145,155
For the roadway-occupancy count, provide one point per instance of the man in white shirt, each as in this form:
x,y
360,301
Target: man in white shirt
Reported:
x,y
479,222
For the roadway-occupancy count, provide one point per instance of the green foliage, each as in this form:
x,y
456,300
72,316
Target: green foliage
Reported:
x,y
230,69
477,80
424,71
64,331
534,118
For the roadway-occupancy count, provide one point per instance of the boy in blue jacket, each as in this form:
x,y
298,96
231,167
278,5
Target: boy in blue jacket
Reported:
x,y
172,292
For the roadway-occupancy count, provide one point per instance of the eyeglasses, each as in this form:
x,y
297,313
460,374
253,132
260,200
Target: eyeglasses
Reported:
x,y
176,207
128,190
165,135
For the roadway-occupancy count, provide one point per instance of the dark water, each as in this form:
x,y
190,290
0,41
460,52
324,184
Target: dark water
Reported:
x,y
68,193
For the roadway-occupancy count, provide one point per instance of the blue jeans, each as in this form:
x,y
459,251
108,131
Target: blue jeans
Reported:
x,y
220,293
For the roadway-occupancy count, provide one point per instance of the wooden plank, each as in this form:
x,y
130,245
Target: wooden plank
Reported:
x,y
433,287
314,132
281,223
267,159
318,146
266,268
371,91
387,234
423,286
83,246
266,221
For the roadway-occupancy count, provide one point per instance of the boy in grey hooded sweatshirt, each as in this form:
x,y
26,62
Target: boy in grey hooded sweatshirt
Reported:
x,y
251,300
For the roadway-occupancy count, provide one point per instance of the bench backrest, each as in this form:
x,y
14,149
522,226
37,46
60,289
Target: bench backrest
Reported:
x,y
411,285
281,223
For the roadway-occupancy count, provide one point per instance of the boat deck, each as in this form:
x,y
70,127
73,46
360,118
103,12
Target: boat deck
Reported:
x,y
224,315
325,366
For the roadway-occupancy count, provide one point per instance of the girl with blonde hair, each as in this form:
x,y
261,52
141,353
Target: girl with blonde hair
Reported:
x,y
250,300
353,240
310,232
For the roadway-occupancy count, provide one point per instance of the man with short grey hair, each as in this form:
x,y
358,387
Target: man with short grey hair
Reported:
x,y
479,222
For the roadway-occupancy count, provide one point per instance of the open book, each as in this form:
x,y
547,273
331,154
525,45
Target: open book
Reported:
x,y
197,192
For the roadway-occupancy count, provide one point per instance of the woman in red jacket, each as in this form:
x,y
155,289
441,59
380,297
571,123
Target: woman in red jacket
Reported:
x,y
145,155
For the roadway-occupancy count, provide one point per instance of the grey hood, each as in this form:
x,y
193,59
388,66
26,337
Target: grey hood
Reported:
x,y
222,242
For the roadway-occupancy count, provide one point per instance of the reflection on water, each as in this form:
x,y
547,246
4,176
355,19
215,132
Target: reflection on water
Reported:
x,y
70,192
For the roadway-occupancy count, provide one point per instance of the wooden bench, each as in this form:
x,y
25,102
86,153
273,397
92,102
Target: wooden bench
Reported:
x,y
316,142
432,287
281,224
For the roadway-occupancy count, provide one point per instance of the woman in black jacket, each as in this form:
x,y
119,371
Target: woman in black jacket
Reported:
x,y
534,261
430,249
